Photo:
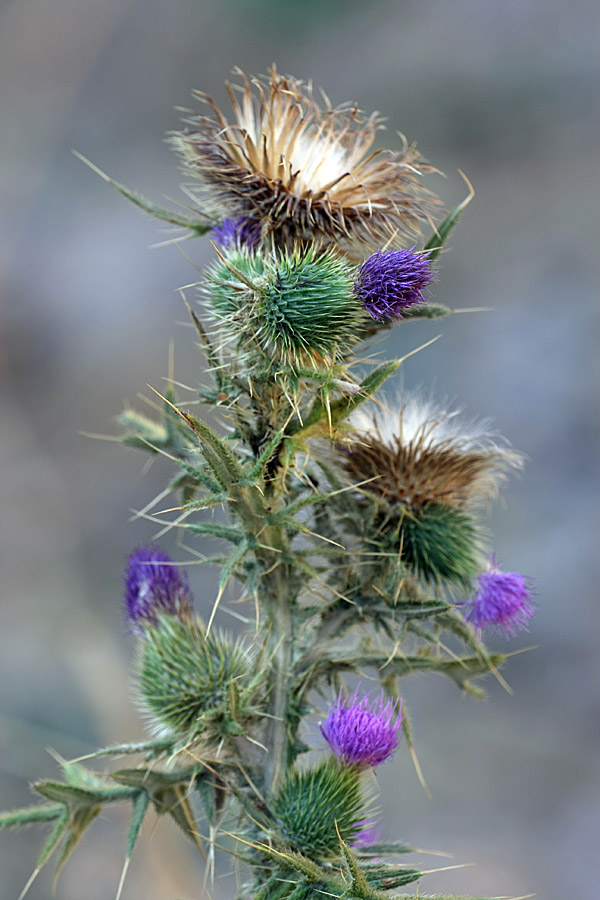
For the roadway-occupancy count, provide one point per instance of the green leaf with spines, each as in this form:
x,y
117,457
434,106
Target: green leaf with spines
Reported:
x,y
31,815
140,806
383,849
78,798
196,226
343,407
387,877
437,240
427,311
216,530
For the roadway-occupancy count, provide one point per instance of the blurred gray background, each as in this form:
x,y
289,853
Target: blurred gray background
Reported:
x,y
506,91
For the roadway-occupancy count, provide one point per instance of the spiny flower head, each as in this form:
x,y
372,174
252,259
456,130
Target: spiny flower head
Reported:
x,y
302,171
154,585
424,455
240,231
297,307
362,732
193,685
391,281
316,806
503,602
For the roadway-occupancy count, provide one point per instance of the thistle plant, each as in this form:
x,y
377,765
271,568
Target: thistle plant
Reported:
x,y
348,516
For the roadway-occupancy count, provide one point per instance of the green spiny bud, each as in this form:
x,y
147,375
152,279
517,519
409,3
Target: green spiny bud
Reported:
x,y
196,686
441,543
311,803
298,307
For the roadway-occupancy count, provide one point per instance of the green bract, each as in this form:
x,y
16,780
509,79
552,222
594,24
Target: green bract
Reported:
x,y
311,803
196,686
441,543
296,307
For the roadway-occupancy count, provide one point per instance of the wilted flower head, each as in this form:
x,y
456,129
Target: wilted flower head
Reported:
x,y
361,731
423,455
504,601
390,282
154,585
300,170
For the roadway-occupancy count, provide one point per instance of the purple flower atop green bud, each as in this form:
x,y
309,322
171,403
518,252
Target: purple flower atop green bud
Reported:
x,y
155,585
504,601
240,231
363,732
390,282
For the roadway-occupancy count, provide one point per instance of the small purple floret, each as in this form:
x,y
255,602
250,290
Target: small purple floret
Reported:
x,y
390,282
363,732
504,602
155,585
239,231
368,835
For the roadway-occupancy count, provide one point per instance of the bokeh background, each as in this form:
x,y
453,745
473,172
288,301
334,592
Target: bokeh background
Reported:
x,y
508,92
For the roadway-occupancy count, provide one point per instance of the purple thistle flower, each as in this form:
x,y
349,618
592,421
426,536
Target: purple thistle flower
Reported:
x,y
504,601
368,835
154,585
242,231
390,282
362,732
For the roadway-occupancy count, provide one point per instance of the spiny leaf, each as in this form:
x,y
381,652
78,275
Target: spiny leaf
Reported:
x,y
460,670
140,805
384,849
152,748
75,797
438,239
358,886
427,311
340,409
31,814
257,469
214,529
196,226
79,821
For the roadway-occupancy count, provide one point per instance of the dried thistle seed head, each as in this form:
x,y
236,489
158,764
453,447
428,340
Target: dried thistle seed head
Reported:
x,y
313,805
195,686
302,171
423,455
504,601
298,307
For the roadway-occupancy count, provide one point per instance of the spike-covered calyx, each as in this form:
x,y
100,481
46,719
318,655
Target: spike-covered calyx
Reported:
x,y
197,686
294,307
317,806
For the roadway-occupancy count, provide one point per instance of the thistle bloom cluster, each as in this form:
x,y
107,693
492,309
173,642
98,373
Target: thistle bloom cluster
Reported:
x,y
503,602
154,585
239,231
363,732
391,282
354,527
